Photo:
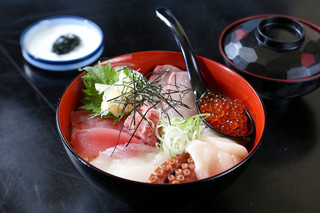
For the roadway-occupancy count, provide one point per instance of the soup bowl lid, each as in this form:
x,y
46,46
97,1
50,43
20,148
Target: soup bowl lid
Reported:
x,y
273,46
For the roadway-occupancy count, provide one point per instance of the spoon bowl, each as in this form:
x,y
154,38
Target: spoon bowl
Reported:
x,y
198,84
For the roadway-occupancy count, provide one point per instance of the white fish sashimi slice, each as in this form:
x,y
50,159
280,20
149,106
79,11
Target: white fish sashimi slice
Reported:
x,y
209,160
214,154
223,143
205,158
225,161
134,162
123,151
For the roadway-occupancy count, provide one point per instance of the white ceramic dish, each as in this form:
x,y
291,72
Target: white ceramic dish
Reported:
x,y
36,42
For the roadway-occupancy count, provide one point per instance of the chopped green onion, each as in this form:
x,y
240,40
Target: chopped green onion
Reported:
x,y
177,133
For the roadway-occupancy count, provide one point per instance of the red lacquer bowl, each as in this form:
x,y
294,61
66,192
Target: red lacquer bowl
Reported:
x,y
217,76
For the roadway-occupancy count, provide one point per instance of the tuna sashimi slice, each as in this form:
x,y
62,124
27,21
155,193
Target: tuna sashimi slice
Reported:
x,y
144,127
162,73
173,79
81,120
180,80
89,142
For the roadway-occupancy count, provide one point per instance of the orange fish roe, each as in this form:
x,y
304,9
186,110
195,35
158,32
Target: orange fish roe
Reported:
x,y
227,116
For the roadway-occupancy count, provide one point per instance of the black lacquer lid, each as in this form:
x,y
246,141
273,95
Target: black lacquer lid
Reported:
x,y
277,47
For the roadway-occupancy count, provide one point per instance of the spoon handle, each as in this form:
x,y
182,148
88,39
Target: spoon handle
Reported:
x,y
195,77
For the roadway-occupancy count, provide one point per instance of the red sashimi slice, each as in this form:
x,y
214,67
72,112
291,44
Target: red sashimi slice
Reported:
x,y
180,80
89,142
81,120
144,126
172,78
162,73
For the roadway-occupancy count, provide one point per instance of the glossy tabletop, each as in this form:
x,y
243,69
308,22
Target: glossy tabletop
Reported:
x,y
36,174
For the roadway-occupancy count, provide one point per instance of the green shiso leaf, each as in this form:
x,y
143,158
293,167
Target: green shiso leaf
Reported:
x,y
103,74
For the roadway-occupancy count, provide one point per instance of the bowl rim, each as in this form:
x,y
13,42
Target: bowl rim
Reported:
x,y
30,57
240,21
212,178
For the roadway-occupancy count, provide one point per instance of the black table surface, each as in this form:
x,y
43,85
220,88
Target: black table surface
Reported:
x,y
36,174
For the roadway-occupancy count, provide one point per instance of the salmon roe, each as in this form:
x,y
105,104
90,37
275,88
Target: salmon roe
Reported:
x,y
227,116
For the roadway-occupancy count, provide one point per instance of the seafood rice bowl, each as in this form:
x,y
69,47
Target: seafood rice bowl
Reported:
x,y
131,123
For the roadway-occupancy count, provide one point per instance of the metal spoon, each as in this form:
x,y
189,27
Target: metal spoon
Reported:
x,y
198,84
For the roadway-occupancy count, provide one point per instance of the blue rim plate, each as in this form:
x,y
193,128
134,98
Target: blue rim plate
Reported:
x,y
61,65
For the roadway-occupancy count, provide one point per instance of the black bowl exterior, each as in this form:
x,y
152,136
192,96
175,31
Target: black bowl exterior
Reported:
x,y
271,89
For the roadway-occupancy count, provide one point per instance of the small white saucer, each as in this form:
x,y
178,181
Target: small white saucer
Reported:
x,y
36,43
